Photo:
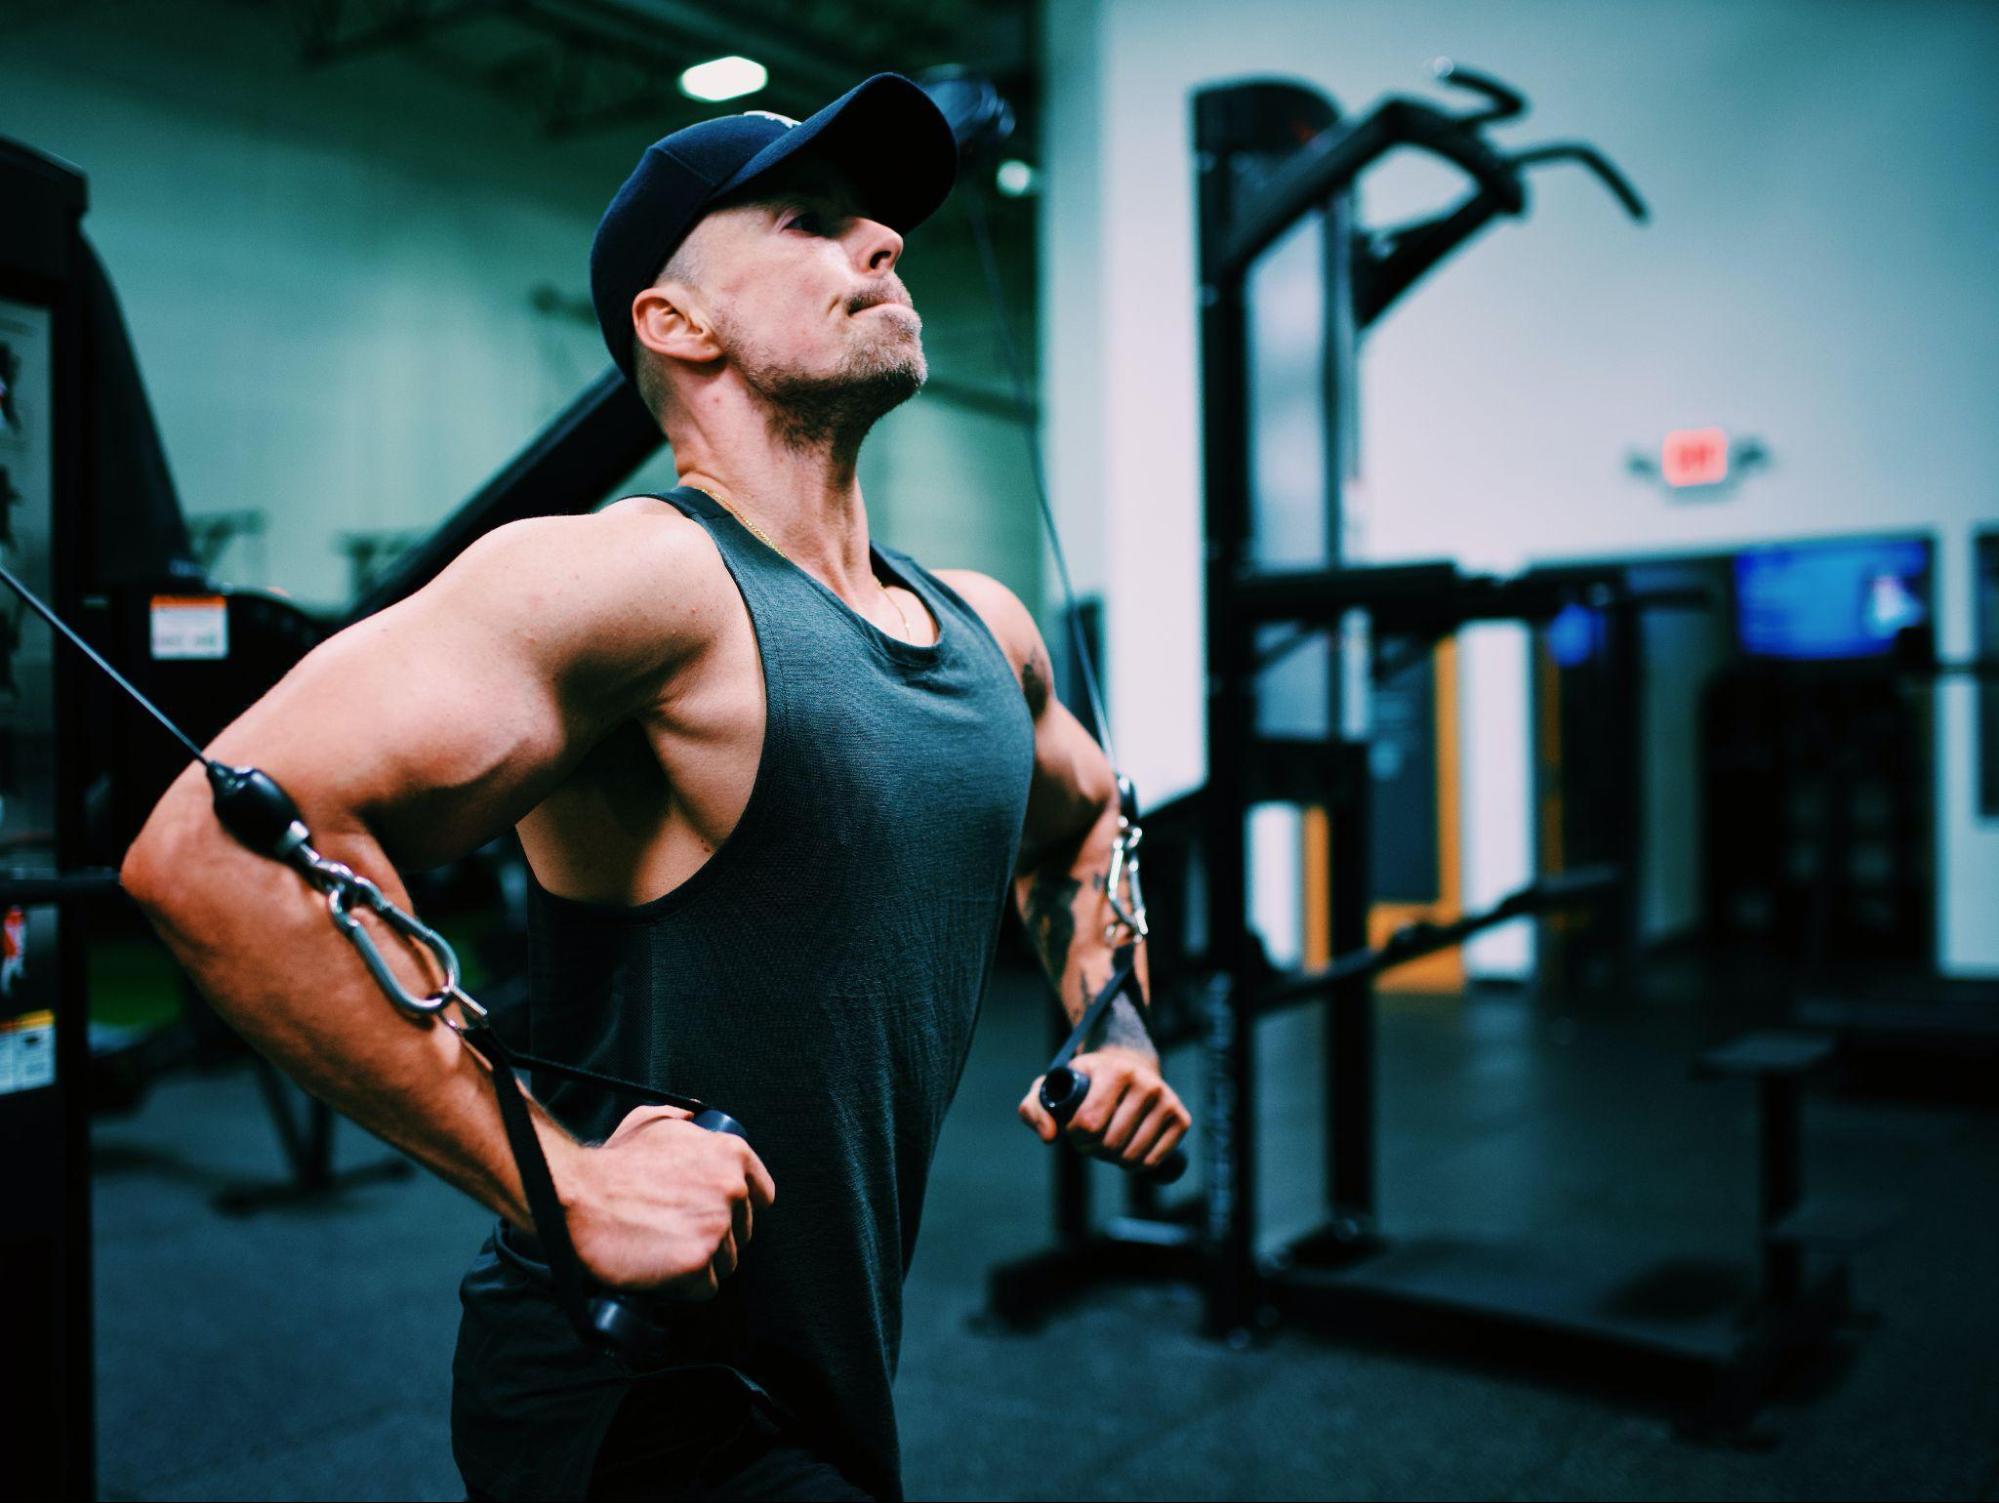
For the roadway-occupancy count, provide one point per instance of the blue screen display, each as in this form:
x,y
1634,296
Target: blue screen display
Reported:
x,y
1844,599
1575,635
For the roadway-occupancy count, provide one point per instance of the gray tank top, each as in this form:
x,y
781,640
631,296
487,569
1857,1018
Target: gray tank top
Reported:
x,y
818,978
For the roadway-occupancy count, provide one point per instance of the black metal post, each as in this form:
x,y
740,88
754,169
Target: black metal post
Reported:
x,y
47,1431
1624,623
1231,721
1241,134
1350,1109
1349,1038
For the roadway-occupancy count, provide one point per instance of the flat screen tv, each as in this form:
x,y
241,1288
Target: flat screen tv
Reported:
x,y
1829,600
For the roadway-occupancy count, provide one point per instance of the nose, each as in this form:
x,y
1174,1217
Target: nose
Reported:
x,y
876,247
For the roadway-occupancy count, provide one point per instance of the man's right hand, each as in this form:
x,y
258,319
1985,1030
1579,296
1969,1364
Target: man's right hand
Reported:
x,y
662,1205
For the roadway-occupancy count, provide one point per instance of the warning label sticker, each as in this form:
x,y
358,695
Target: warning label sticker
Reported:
x,y
27,1052
190,626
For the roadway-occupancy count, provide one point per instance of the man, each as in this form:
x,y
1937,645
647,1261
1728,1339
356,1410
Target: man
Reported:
x,y
773,784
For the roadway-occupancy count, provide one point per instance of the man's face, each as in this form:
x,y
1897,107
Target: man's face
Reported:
x,y
800,286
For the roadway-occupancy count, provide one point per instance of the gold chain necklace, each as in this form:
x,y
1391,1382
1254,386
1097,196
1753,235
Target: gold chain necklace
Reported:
x,y
755,531
763,537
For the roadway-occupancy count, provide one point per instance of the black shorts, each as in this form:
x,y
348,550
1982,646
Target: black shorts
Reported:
x,y
673,1442
707,1440
535,1414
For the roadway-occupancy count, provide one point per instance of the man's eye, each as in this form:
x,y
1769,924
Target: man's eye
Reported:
x,y
808,221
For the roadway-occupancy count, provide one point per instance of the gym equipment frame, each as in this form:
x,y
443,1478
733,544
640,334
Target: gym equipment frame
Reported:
x,y
48,1431
1255,182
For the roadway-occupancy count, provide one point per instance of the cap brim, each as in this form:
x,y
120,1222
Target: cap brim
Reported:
x,y
887,136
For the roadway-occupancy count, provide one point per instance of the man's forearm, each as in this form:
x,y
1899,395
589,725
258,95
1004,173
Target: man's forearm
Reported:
x,y
1063,904
258,943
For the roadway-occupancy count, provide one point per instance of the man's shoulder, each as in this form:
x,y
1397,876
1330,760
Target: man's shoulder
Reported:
x,y
633,546
1013,627
1005,615
636,566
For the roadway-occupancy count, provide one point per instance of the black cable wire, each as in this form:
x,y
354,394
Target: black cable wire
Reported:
x,y
975,214
34,602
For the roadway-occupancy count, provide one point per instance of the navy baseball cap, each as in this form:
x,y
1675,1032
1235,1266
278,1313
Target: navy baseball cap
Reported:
x,y
886,135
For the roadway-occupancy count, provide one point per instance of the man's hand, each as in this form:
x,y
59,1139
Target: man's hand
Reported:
x,y
663,1205
1131,1117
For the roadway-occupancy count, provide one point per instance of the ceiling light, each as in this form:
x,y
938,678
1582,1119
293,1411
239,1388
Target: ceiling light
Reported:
x,y
723,78
1015,178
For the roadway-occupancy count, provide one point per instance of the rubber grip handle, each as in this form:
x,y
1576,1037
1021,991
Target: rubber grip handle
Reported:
x,y
1062,1092
715,1121
623,1323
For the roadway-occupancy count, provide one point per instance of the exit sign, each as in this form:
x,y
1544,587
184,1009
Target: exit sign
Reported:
x,y
1698,464
1694,456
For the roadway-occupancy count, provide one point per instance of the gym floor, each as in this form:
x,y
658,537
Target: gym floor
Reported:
x,y
303,1351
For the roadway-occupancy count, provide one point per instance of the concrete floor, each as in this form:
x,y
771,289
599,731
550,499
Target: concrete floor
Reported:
x,y
302,1352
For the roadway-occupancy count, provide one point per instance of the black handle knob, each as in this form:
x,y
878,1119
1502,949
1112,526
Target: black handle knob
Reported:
x,y
1062,1092
618,1322
629,1326
716,1121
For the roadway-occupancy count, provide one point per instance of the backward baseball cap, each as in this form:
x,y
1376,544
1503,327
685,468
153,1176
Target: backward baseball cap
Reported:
x,y
886,135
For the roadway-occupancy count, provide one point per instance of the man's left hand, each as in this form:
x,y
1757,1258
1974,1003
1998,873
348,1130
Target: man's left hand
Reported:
x,y
1131,1116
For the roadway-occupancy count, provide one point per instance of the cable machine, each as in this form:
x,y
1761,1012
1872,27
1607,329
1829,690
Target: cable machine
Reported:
x,y
1268,157
48,1432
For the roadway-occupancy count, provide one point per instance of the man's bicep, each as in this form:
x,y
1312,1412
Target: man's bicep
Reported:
x,y
440,722
1072,784
1073,780
432,735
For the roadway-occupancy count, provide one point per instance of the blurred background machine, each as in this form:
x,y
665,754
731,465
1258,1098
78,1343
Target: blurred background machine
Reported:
x,y
1305,652
45,1263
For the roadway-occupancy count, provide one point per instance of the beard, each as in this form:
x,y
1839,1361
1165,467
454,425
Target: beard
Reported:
x,y
882,367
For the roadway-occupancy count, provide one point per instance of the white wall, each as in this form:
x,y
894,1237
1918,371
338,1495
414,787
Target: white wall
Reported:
x,y
1825,183
327,277
1075,277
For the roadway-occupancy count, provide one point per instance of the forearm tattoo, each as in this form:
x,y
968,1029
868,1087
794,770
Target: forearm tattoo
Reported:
x,y
1050,907
1050,912
1051,921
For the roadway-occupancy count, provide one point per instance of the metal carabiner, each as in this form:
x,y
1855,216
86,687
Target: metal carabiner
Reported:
x,y
344,888
462,1014
1123,878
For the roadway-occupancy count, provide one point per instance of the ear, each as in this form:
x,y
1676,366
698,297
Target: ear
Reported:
x,y
668,320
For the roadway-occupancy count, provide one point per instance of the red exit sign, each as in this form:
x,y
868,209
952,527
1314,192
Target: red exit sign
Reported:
x,y
1694,456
